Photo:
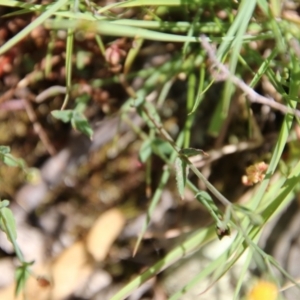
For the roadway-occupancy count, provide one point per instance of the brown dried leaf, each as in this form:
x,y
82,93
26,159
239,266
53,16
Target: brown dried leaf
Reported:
x,y
105,230
71,269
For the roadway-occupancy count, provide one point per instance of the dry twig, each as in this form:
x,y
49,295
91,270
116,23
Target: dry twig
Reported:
x,y
39,128
253,96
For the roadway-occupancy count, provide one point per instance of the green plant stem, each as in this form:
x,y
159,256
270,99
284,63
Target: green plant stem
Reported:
x,y
193,243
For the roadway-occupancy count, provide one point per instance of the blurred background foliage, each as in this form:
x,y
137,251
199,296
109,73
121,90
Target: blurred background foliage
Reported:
x,y
99,98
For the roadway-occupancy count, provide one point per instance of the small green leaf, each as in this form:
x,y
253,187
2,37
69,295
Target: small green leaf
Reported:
x,y
12,161
4,203
80,123
8,224
205,199
81,103
160,146
181,175
204,195
192,152
255,219
22,274
4,150
145,150
63,115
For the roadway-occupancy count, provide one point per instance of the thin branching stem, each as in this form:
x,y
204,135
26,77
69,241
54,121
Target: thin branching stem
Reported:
x,y
224,74
166,135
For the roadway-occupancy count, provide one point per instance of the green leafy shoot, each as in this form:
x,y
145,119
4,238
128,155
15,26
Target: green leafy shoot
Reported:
x,y
8,224
63,115
145,151
9,159
80,123
4,150
75,116
22,274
